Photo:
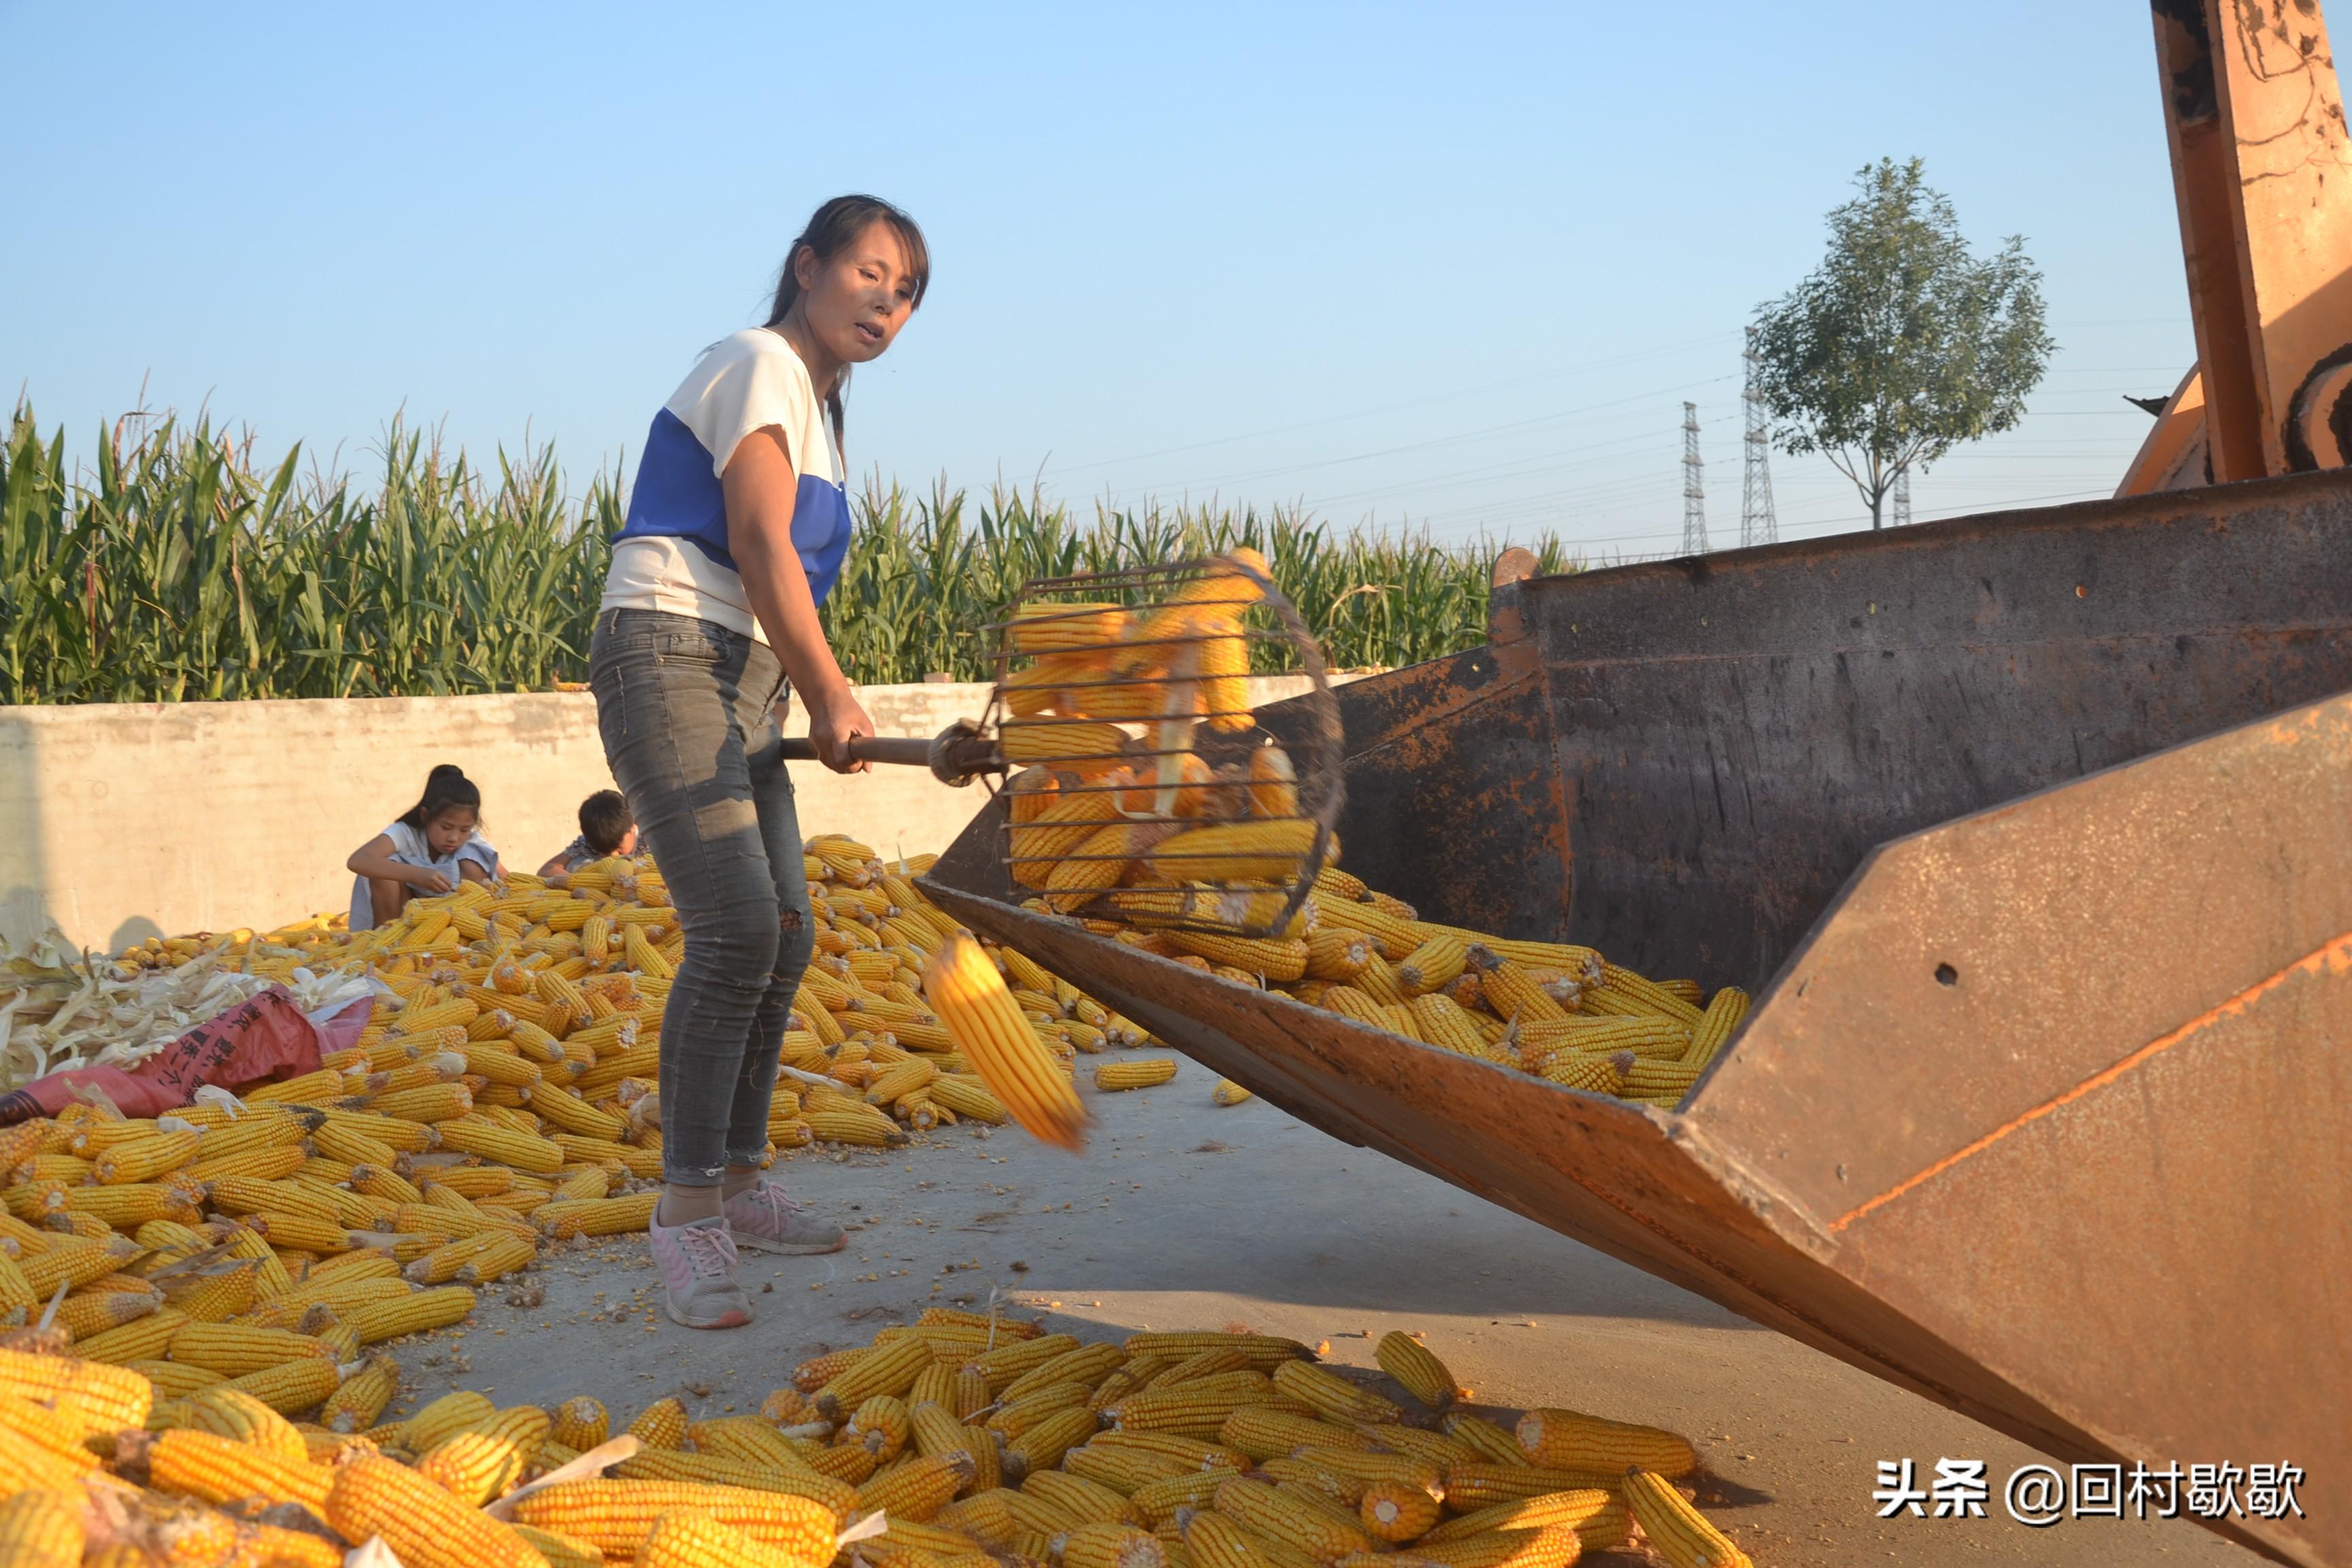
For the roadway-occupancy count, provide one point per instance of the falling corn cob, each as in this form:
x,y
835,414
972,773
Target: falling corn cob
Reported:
x,y
988,1027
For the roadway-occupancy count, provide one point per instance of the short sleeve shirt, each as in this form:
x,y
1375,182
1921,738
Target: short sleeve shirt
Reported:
x,y
671,553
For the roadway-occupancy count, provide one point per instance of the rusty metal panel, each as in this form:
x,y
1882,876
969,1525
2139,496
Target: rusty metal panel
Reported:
x,y
1734,733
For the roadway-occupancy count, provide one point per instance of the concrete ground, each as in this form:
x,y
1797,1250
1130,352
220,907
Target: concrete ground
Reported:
x,y
1188,1216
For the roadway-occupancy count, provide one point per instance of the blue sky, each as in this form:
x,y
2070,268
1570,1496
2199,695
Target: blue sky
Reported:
x,y
1457,266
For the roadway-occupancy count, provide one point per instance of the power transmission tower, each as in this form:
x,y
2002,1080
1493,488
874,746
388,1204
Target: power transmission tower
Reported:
x,y
1757,523
1903,496
1694,493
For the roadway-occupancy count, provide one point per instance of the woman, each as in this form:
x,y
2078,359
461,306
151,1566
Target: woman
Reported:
x,y
736,530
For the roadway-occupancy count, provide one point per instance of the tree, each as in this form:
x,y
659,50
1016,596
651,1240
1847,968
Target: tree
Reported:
x,y
1902,344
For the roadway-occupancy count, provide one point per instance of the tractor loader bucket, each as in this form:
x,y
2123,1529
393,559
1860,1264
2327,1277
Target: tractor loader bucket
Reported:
x,y
2034,832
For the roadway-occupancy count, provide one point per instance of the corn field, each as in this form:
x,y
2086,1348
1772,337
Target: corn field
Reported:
x,y
173,568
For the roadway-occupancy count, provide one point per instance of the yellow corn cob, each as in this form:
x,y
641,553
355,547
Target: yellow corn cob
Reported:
x,y
918,1488
477,1465
597,1216
580,1423
41,1528
1333,1395
1086,748
226,1412
1554,1546
1122,1469
475,1135
1235,851
661,1425
1112,1545
1213,1541
1432,966
1276,959
143,1159
1595,1514
802,1483
424,1525
1676,1531
144,1339
1043,1446
95,1311
438,1309
880,1424
988,1027
967,1095
427,1102
1477,1484
1227,1092
854,1126
1412,1364
233,1349
1324,1534
359,1401
1083,1501
1200,1409
1265,1352
1394,1512
561,1550
1268,1433
1040,627
1295,1474
221,1470
1492,1441
1142,1073
1725,1011
1570,1440
688,1538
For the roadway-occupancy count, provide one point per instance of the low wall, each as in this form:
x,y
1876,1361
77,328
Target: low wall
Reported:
x,y
118,821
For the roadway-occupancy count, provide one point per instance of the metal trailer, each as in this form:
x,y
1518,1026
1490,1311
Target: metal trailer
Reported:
x,y
2034,833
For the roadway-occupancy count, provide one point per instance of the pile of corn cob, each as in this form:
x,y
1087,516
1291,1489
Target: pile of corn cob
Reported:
x,y
980,1442
1557,1011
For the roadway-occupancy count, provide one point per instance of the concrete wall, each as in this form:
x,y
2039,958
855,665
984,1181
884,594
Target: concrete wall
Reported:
x,y
121,820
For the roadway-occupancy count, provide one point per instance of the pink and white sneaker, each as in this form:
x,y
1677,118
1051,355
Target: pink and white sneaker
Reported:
x,y
762,1219
697,1264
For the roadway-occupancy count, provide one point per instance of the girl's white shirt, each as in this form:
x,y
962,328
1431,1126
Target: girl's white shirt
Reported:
x,y
410,848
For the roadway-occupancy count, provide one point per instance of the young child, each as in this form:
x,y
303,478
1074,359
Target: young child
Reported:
x,y
605,828
434,846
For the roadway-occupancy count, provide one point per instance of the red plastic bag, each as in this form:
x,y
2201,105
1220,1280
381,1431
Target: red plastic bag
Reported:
x,y
266,1038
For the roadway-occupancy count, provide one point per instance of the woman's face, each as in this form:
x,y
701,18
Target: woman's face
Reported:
x,y
857,300
447,833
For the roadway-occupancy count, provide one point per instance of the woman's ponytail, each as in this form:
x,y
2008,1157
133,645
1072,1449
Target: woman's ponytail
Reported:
x,y
445,786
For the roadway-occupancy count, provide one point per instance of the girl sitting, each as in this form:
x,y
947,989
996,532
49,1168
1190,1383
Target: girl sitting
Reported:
x,y
434,846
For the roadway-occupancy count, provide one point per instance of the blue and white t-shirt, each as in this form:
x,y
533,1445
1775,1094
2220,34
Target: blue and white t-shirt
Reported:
x,y
671,554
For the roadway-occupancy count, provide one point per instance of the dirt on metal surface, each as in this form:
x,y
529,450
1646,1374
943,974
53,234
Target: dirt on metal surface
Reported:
x,y
2040,1113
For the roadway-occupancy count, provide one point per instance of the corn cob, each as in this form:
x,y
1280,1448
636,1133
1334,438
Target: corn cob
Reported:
x,y
233,1351
226,1412
1554,1546
1087,748
478,1135
1123,1470
292,1386
1295,1474
1412,1364
804,1482
359,1401
661,1425
988,1029
1043,1446
1570,1440
1084,1501
1226,1091
423,1524
1725,1011
1214,1541
918,1488
435,1309
1394,1512
1676,1531
1496,1444
686,1537
1595,1514
221,1470
41,1528
478,1465
1235,851
1332,1396
1324,1534
1475,1484
1264,1433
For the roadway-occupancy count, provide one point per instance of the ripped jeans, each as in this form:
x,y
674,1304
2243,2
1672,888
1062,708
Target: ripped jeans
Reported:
x,y
685,708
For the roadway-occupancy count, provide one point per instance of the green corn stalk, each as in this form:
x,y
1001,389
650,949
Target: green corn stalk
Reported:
x,y
172,569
